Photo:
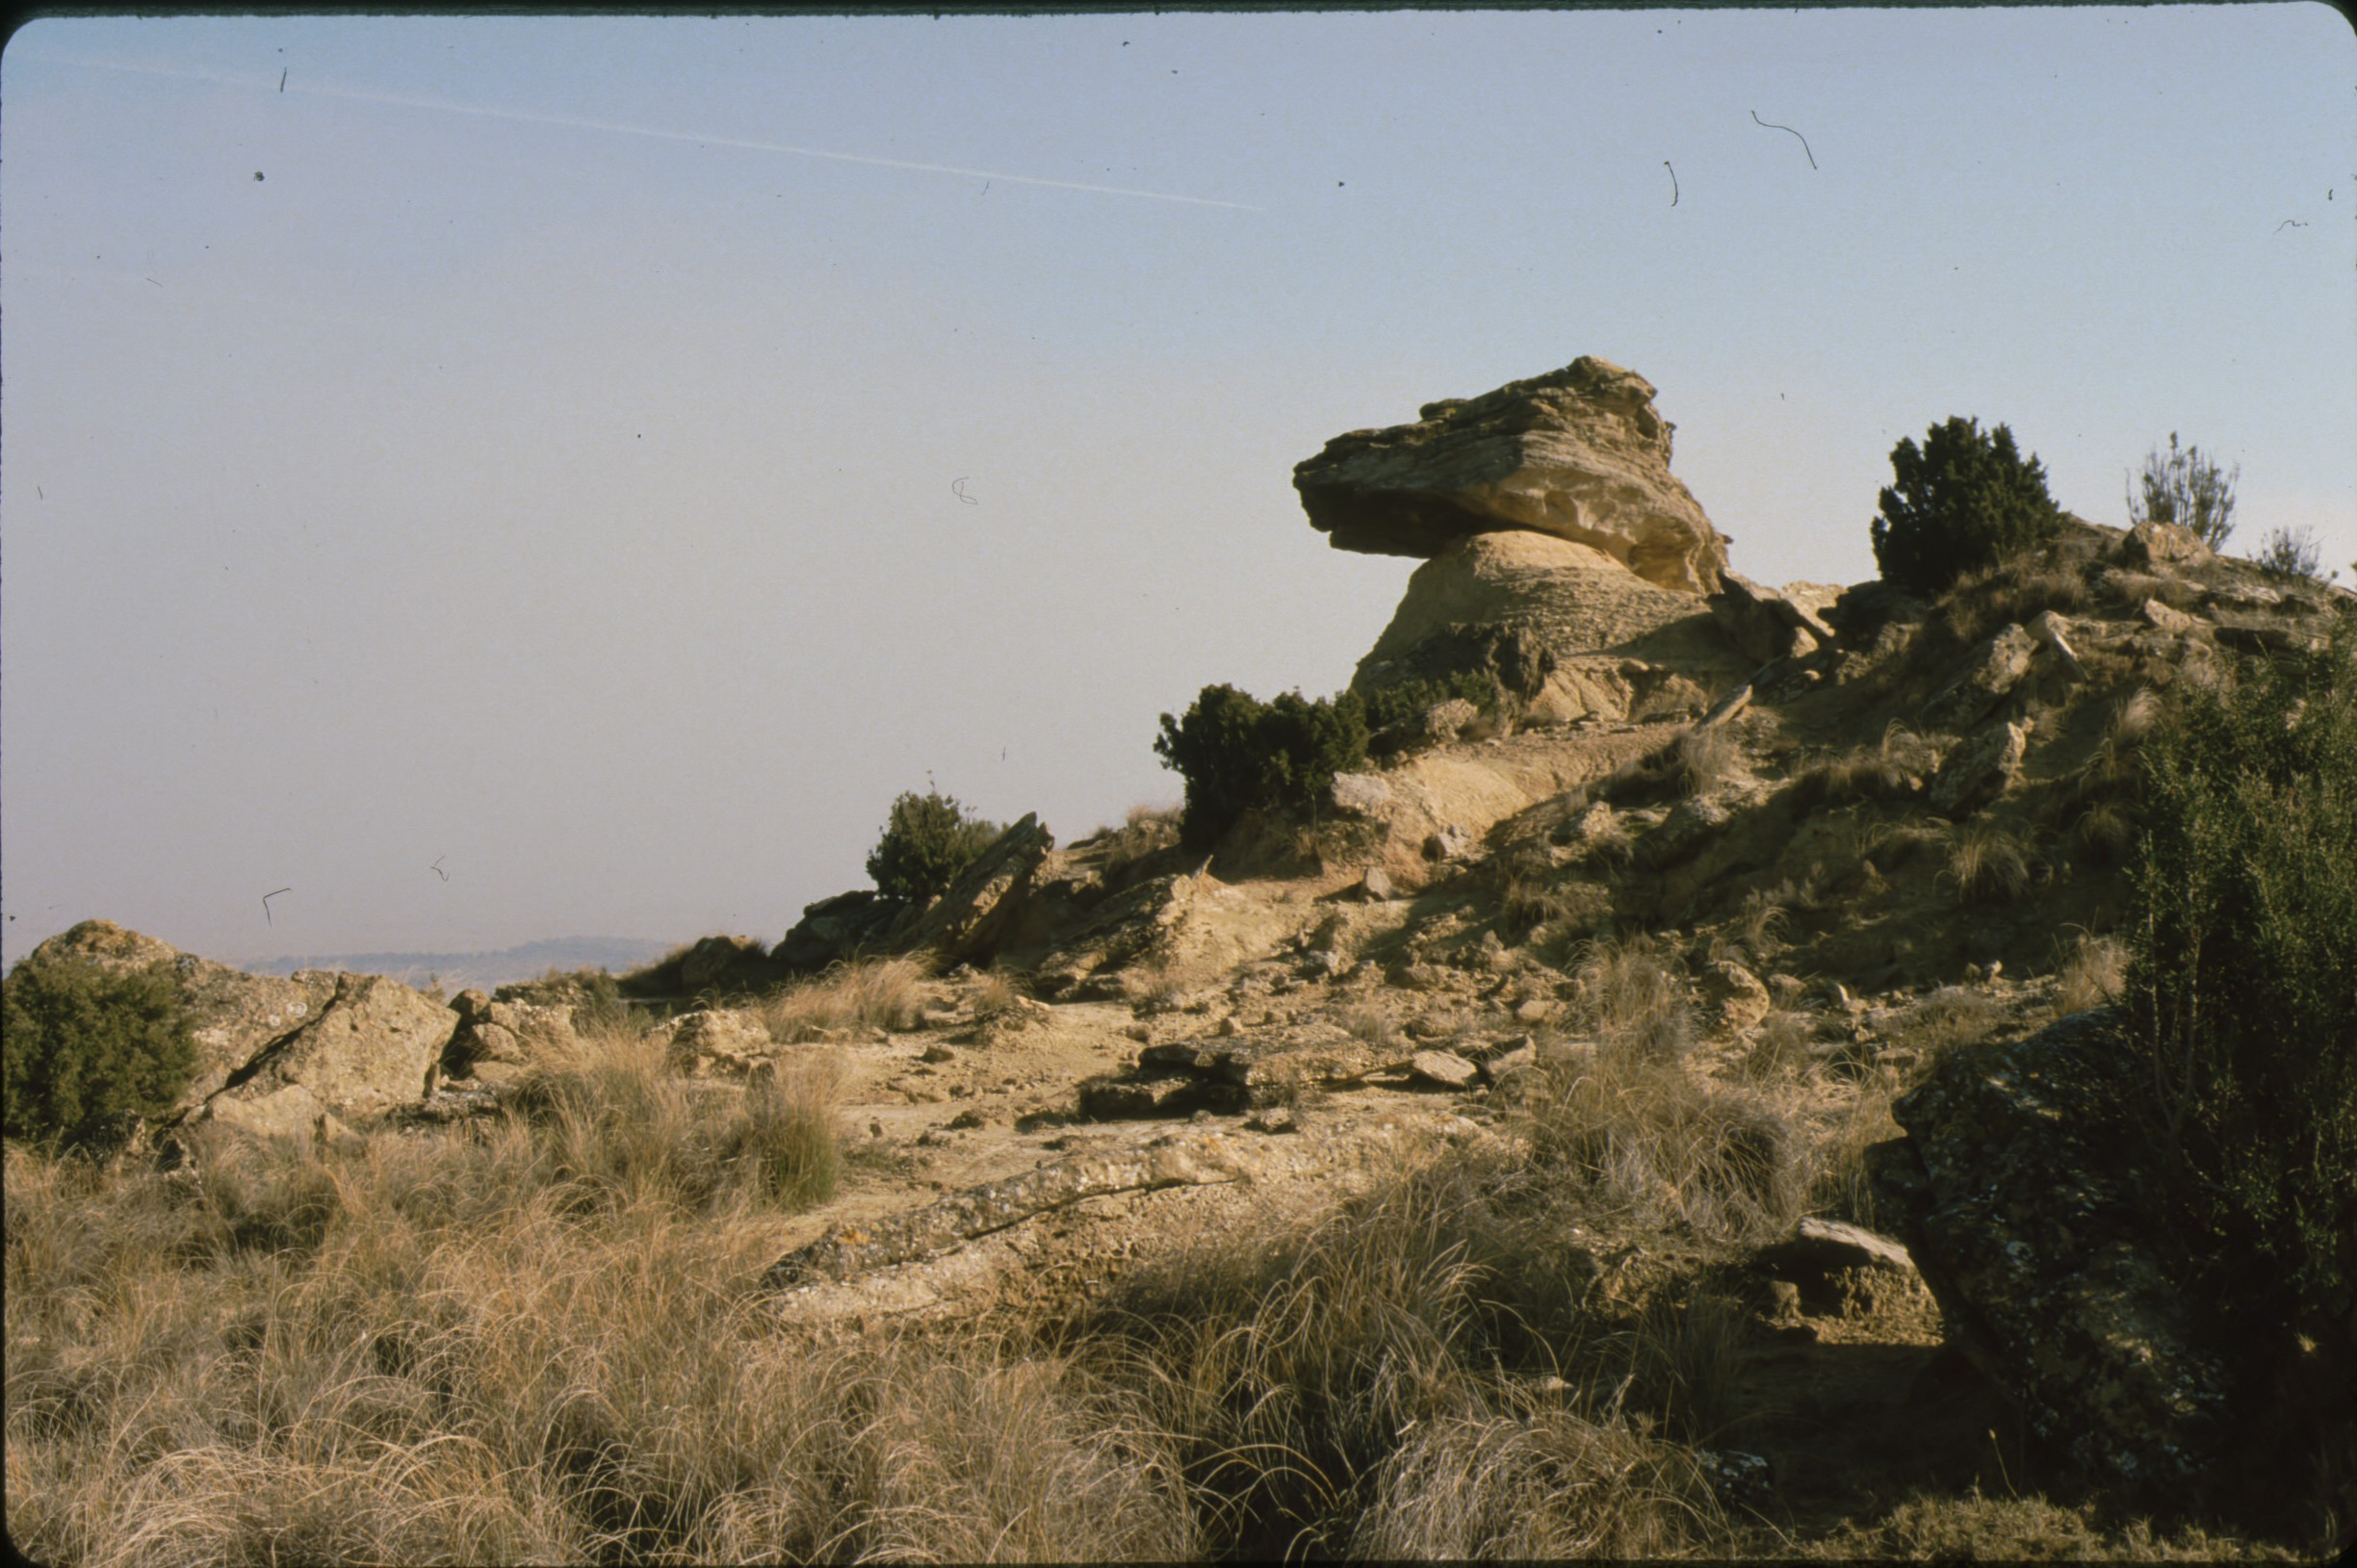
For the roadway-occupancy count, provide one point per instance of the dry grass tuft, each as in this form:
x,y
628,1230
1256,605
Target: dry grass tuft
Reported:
x,y
1781,1048
2093,974
514,1344
880,993
1534,1483
1704,756
1632,991
1988,864
1346,1387
1651,1140
1950,1017
1373,1023
1838,1182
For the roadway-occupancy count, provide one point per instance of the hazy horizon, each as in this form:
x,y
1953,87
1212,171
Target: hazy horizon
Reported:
x,y
493,477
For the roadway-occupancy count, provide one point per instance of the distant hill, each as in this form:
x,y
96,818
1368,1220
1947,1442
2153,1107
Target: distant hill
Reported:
x,y
456,971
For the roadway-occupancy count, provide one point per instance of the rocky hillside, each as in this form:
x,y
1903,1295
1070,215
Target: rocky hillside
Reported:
x,y
1742,958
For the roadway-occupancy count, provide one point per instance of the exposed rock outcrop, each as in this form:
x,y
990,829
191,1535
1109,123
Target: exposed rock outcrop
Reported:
x,y
978,1211
500,1041
1598,639
1579,453
374,1047
840,927
233,1013
983,905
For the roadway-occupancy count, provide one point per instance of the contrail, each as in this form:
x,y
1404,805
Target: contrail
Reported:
x,y
524,117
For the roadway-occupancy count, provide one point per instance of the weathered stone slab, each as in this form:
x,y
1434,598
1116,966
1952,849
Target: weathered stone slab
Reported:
x,y
1994,670
1578,453
993,1206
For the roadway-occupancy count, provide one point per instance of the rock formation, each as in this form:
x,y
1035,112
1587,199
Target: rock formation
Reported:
x,y
1578,453
370,1050
234,1013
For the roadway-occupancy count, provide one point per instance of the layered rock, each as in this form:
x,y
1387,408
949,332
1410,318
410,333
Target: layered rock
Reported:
x,y
981,906
1570,630
1578,453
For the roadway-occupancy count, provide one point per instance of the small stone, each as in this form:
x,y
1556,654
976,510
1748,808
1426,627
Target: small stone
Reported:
x,y
1272,1119
965,1120
938,1053
1446,1069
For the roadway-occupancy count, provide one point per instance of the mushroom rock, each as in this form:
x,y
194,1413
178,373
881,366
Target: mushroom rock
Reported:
x,y
1578,453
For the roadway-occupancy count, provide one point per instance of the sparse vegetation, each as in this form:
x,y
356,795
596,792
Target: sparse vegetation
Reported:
x,y
1987,862
928,840
1238,755
1962,500
871,993
2242,994
2187,489
1632,993
2291,553
88,1053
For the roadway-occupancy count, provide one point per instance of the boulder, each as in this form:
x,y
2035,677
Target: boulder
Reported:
x,y
2168,618
498,1043
2053,632
1578,453
1979,770
2154,543
374,1047
1736,992
837,928
1764,624
1690,824
2018,1191
233,1014
716,1042
1820,1247
986,900
1994,669
1861,612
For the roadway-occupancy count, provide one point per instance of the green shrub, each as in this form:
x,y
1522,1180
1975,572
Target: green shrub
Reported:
x,y
1964,500
1407,701
1238,754
929,839
2241,990
2292,553
2187,489
88,1050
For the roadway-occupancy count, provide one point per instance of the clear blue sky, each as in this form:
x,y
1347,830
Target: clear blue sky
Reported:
x,y
551,464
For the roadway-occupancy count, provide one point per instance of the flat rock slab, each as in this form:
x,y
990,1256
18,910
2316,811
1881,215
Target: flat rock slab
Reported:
x,y
993,1206
1825,1246
1446,1069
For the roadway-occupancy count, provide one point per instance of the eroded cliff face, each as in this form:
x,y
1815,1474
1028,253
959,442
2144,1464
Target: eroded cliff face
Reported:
x,y
1579,453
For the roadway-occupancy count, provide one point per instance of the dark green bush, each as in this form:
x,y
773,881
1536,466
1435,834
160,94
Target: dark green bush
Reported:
x,y
1238,755
1964,500
929,839
1397,705
88,1050
2242,991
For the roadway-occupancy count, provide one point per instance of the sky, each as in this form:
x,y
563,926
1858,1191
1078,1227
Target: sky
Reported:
x,y
477,480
